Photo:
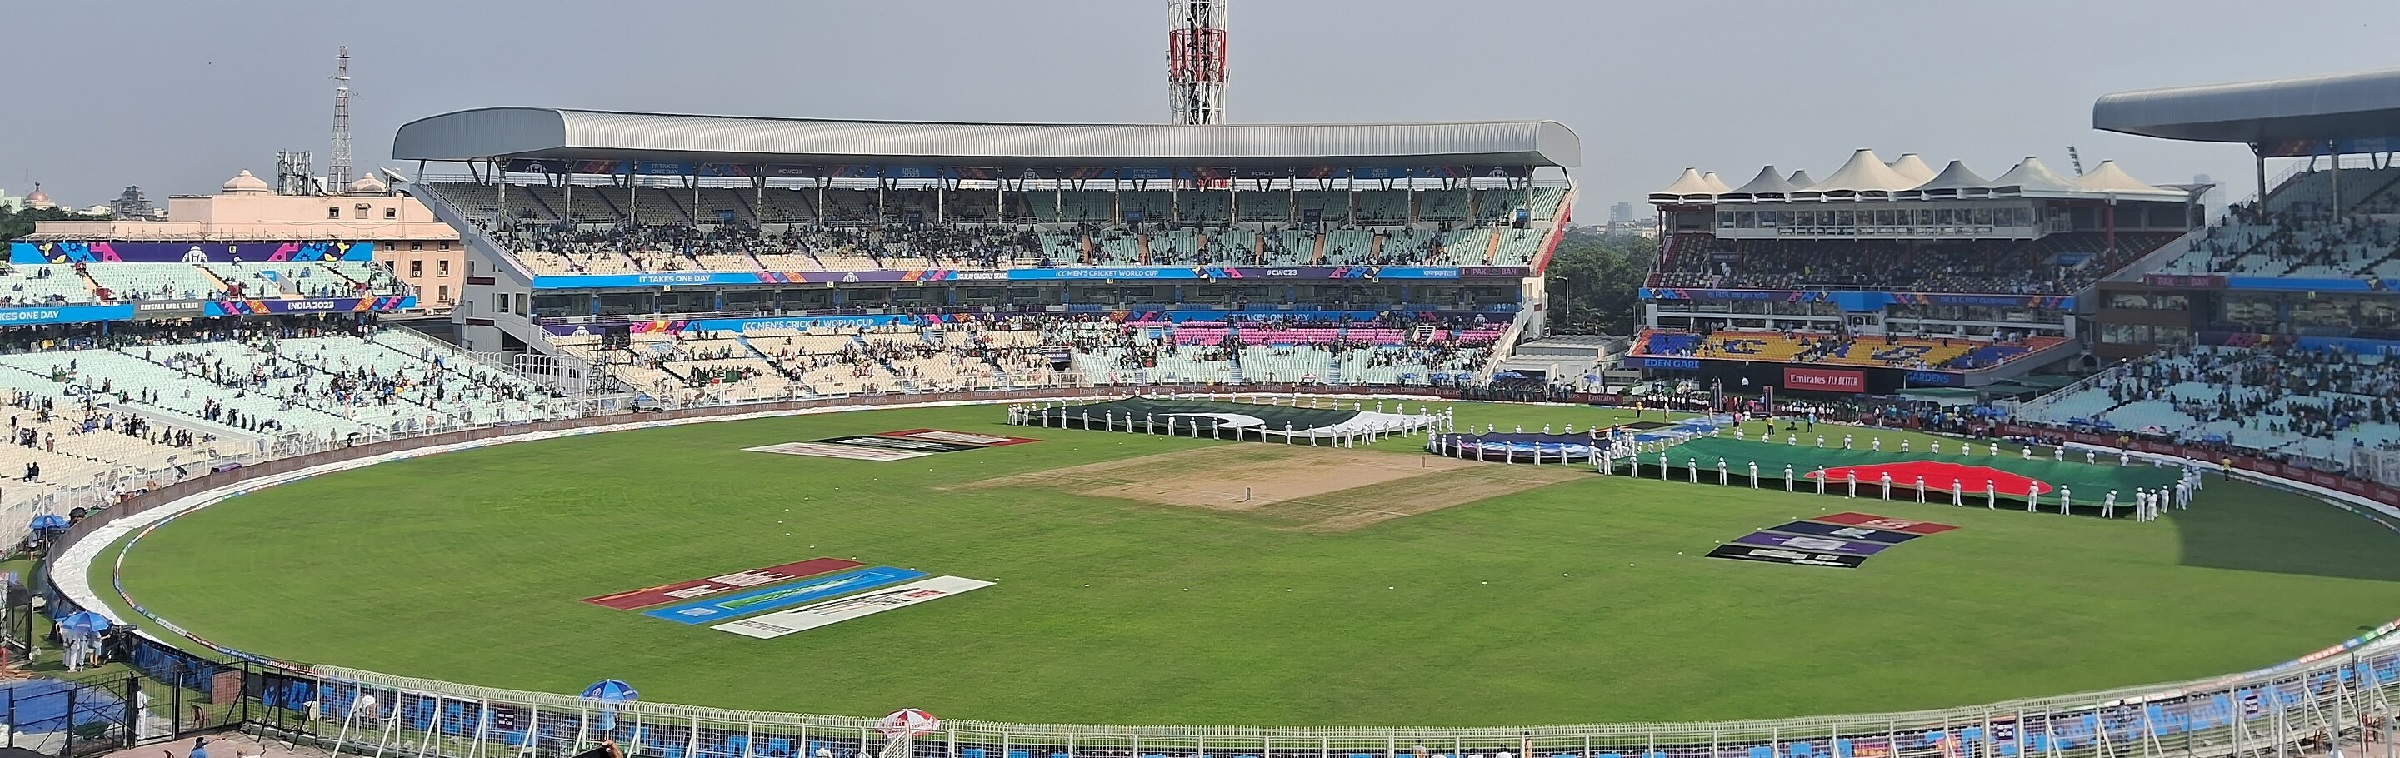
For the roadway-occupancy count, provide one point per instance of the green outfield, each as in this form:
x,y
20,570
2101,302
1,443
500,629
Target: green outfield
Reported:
x,y
1134,585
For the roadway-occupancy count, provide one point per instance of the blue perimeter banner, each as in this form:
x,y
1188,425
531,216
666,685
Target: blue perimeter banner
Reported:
x,y
782,596
1095,273
66,314
1861,301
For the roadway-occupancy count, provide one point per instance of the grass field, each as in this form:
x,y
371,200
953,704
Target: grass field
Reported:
x,y
1574,598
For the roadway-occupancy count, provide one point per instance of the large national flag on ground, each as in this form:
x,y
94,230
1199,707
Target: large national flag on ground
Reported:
x,y
2010,474
1206,418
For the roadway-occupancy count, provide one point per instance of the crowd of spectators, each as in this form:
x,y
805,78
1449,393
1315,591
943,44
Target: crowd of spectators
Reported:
x,y
2057,264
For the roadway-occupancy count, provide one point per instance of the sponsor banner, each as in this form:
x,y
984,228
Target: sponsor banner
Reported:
x,y
163,309
961,438
783,596
187,252
893,443
2185,281
1810,544
696,588
819,450
65,314
802,619
1872,521
1935,379
1824,380
1674,364
312,305
1837,531
1786,556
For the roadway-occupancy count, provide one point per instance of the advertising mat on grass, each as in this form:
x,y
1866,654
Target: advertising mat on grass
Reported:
x,y
1872,521
1811,544
822,450
698,588
803,619
896,443
1816,529
960,438
783,596
1786,556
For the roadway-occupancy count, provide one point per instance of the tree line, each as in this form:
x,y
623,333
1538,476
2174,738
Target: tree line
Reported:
x,y
1593,280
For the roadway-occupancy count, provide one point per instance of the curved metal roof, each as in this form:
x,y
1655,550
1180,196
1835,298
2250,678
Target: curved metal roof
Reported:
x,y
2331,107
557,133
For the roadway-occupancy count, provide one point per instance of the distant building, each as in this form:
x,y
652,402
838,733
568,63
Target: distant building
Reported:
x,y
1621,213
420,249
132,204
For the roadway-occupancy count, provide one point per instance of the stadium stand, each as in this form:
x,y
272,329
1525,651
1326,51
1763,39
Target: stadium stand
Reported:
x,y
1888,351
1996,266
2325,405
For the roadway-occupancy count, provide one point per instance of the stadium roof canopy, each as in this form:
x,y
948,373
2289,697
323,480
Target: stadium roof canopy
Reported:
x,y
2310,109
584,135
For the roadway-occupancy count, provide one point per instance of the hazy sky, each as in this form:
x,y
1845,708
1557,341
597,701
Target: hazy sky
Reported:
x,y
176,96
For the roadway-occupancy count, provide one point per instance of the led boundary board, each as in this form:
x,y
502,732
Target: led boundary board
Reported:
x,y
1841,540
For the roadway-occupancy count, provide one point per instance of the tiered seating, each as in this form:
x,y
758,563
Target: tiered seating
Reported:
x,y
785,230
786,206
1499,206
1444,205
1076,206
155,281
1292,247
1270,206
1203,207
42,284
1154,205
2320,405
1383,207
1326,205
848,206
1349,247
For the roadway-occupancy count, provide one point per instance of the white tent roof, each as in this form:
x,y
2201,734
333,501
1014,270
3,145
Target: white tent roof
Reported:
x,y
1768,182
2031,176
1913,167
1800,180
1716,183
2107,177
1688,185
1955,177
1864,173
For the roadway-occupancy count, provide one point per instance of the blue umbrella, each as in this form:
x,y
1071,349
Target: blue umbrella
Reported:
x,y
83,623
610,692
49,522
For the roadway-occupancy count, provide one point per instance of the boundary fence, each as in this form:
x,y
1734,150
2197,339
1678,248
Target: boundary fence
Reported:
x,y
2337,701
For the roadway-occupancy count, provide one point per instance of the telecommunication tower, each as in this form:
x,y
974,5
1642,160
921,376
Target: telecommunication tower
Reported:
x,y
292,176
337,169
1196,60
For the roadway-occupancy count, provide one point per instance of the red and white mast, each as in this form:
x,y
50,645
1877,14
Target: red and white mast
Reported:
x,y
1196,61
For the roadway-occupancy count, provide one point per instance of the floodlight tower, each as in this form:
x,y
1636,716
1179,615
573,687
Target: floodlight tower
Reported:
x,y
337,171
1196,60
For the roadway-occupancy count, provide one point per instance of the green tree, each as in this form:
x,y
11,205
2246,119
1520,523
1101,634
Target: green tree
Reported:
x,y
1593,281
20,223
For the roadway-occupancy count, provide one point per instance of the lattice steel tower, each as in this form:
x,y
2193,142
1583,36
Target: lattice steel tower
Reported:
x,y
337,169
1196,60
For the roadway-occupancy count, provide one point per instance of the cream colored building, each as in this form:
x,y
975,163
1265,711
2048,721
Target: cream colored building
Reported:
x,y
419,248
